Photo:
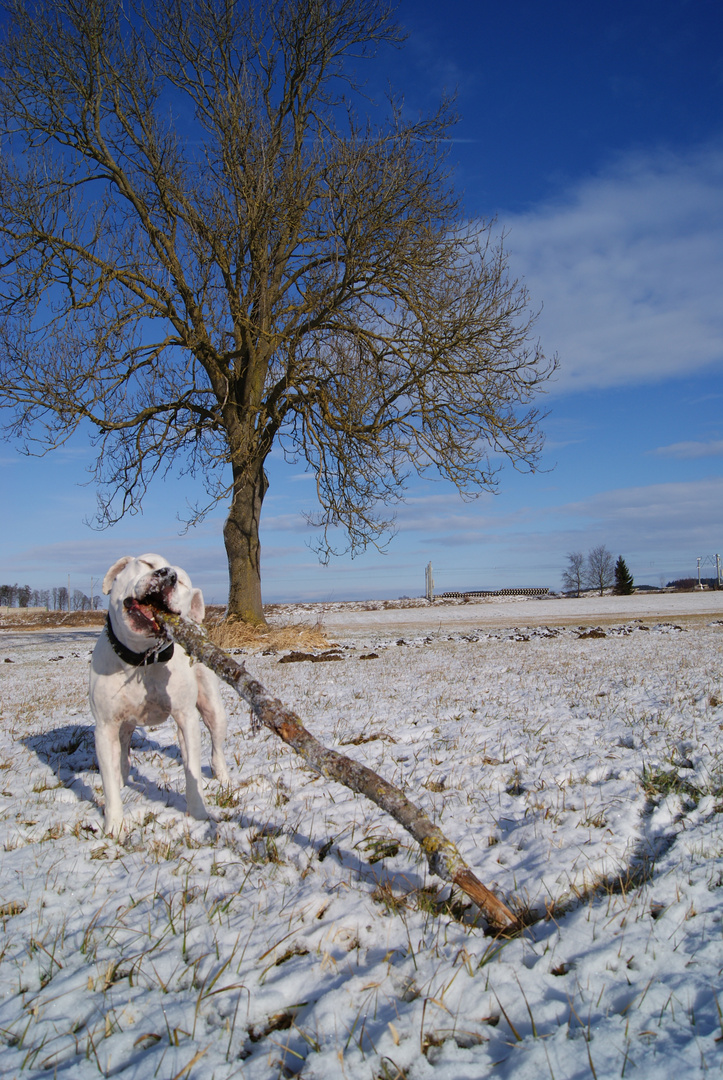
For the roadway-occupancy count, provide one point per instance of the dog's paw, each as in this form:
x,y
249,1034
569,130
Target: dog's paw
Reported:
x,y
221,774
114,826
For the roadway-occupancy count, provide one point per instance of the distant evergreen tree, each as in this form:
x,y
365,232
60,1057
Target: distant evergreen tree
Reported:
x,y
623,578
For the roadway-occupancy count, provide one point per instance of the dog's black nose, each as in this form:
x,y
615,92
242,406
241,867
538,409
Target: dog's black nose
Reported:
x,y
166,576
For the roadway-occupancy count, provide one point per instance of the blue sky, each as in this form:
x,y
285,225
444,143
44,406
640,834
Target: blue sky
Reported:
x,y
593,133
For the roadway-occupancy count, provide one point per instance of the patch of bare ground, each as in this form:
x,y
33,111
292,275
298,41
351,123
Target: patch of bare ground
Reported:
x,y
604,619
23,619
226,633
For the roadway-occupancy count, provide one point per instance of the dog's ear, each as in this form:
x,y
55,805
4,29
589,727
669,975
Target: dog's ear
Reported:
x,y
114,572
198,608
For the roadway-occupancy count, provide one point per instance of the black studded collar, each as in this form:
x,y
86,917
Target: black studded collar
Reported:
x,y
155,655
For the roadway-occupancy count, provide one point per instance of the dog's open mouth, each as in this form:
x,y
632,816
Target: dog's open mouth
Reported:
x,y
142,613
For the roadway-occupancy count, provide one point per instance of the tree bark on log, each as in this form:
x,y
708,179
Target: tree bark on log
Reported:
x,y
442,856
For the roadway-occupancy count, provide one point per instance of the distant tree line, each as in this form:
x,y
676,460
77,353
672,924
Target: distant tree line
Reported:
x,y
58,599
692,583
596,570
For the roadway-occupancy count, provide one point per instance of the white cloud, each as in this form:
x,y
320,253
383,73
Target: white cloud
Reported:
x,y
686,450
680,516
292,522
660,528
628,266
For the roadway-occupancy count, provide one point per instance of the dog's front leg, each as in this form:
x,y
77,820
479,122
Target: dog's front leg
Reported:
x,y
189,740
108,752
213,714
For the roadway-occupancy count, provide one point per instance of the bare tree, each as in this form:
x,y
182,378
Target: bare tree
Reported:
x,y
207,250
573,576
8,595
80,602
600,569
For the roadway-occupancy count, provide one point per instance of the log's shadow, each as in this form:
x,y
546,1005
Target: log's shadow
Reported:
x,y
356,860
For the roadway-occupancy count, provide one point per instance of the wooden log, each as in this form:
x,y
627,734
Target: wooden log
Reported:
x,y
442,856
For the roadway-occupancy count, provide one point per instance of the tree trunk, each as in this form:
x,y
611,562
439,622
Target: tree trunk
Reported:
x,y
241,537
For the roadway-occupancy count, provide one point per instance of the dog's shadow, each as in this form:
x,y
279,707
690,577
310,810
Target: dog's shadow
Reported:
x,y
70,752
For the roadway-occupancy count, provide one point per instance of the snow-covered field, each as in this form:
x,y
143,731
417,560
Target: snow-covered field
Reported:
x,y
580,776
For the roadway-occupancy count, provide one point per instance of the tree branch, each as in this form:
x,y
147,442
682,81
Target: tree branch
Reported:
x,y
443,857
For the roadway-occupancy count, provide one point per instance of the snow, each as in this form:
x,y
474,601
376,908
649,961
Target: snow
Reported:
x,y
502,610
581,777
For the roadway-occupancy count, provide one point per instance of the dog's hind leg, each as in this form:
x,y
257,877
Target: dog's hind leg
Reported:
x,y
213,714
126,733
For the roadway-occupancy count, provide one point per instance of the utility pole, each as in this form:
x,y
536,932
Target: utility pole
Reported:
x,y
710,560
428,582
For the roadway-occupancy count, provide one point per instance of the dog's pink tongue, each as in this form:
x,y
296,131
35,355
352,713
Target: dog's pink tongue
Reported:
x,y
145,610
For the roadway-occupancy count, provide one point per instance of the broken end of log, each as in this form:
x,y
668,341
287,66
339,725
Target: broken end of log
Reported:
x,y
497,914
446,862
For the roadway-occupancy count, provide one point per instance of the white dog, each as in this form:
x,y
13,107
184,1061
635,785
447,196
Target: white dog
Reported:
x,y
136,677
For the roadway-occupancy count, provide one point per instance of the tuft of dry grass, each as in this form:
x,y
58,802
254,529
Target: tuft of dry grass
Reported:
x,y
236,634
